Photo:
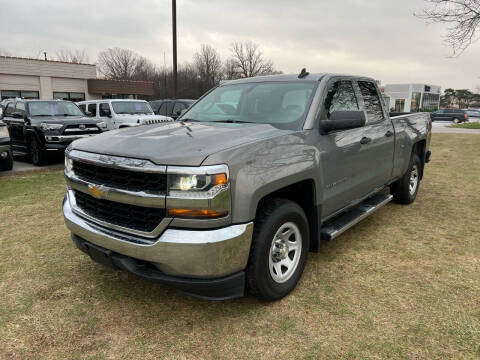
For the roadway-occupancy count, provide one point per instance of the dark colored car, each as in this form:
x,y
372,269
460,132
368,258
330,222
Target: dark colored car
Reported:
x,y
455,115
171,108
38,128
6,160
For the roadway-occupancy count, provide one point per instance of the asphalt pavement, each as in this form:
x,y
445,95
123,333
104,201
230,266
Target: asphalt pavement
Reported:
x,y
22,164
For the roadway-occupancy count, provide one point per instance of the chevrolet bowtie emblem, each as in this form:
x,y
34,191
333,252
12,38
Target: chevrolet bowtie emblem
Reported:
x,y
95,191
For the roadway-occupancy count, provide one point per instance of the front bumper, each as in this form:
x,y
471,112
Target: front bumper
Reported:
x,y
201,256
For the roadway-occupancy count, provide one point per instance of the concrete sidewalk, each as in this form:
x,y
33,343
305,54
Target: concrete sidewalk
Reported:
x,y
443,127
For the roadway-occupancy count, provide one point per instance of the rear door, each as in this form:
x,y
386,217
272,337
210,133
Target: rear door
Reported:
x,y
379,138
15,125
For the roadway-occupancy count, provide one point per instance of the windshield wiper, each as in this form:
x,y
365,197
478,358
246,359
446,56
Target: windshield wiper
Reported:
x,y
231,121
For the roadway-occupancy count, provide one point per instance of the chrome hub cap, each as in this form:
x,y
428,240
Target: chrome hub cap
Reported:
x,y
413,180
285,252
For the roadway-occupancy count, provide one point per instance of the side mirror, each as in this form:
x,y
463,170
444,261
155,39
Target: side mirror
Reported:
x,y
88,113
343,120
107,113
17,115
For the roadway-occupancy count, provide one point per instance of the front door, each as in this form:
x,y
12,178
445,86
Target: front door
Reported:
x,y
341,151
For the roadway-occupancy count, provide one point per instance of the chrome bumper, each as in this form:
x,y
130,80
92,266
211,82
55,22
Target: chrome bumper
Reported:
x,y
188,253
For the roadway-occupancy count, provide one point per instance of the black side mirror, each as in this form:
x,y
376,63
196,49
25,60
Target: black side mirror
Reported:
x,y
107,113
343,120
88,113
17,115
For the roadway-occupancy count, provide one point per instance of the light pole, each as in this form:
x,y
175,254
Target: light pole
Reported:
x,y
174,33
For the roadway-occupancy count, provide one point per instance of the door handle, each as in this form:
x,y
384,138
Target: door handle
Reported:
x,y
365,140
388,133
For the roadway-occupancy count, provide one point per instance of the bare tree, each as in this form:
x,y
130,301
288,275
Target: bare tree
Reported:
x,y
230,70
249,61
208,66
118,64
72,55
462,16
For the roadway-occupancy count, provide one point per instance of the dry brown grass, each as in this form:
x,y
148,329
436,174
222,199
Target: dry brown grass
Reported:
x,y
404,283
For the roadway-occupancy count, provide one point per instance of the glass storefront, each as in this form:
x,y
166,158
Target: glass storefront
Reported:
x,y
430,102
415,104
399,105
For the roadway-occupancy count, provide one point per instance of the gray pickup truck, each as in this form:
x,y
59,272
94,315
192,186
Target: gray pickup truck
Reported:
x,y
232,196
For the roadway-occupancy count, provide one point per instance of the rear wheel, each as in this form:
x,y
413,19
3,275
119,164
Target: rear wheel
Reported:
x,y
456,120
38,155
405,189
279,249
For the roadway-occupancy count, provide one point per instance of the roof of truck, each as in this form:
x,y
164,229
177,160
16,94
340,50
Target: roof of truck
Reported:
x,y
288,77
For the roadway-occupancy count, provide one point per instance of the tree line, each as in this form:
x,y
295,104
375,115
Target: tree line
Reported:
x,y
205,71
461,98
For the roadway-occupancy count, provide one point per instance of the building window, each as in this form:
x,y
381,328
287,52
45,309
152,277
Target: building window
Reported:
x,y
26,94
430,102
70,96
415,104
119,96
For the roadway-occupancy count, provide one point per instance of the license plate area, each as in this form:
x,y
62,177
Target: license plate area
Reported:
x,y
101,256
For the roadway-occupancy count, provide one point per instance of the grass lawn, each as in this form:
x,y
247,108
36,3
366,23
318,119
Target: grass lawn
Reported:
x,y
402,284
468,125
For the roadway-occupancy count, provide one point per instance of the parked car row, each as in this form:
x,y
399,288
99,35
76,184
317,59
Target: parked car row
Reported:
x,y
455,115
171,108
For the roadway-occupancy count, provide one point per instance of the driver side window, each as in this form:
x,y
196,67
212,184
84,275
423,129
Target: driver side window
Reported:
x,y
340,97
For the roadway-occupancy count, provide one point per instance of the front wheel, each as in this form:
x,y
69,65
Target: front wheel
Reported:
x,y
279,249
37,154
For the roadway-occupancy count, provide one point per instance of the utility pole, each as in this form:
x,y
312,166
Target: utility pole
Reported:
x,y
174,32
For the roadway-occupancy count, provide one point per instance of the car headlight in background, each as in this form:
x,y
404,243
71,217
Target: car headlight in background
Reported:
x,y
47,126
4,132
202,192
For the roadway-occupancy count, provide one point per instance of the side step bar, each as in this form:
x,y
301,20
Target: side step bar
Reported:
x,y
342,223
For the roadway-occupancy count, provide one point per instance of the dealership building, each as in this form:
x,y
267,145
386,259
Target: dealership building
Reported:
x,y
411,97
46,80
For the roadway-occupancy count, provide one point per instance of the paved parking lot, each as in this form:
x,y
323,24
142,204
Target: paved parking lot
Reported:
x,y
22,164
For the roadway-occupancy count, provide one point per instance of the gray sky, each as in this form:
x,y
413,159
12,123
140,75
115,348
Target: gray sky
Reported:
x,y
377,38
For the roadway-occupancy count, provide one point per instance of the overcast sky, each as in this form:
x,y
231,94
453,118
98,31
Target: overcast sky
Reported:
x,y
377,38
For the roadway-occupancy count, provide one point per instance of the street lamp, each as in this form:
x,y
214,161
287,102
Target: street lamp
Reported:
x,y
174,32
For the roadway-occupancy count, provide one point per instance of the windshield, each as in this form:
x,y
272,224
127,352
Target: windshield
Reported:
x,y
282,104
131,107
53,108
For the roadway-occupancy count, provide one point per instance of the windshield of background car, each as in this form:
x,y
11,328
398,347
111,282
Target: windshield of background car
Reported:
x,y
53,108
131,107
282,104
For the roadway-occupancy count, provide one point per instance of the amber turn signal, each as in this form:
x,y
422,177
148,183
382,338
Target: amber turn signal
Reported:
x,y
192,214
219,179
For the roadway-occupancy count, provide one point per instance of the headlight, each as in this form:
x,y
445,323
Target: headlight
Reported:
x,y
102,124
202,192
4,132
47,126
68,165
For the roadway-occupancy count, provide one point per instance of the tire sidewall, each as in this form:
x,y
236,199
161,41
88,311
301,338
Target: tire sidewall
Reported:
x,y
289,212
35,152
415,161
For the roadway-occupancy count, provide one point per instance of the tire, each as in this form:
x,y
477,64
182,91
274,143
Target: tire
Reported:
x,y
266,277
7,164
405,189
456,120
38,156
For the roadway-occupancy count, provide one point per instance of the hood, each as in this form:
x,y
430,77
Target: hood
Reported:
x,y
176,143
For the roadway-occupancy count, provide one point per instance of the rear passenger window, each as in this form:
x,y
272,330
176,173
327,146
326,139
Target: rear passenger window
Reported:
x,y
371,101
92,108
9,110
340,97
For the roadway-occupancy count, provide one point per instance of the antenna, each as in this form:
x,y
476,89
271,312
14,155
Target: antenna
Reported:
x,y
303,73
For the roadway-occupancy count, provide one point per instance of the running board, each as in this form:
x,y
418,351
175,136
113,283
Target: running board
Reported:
x,y
339,225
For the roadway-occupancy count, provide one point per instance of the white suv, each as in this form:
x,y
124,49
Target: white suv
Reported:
x,y
120,113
